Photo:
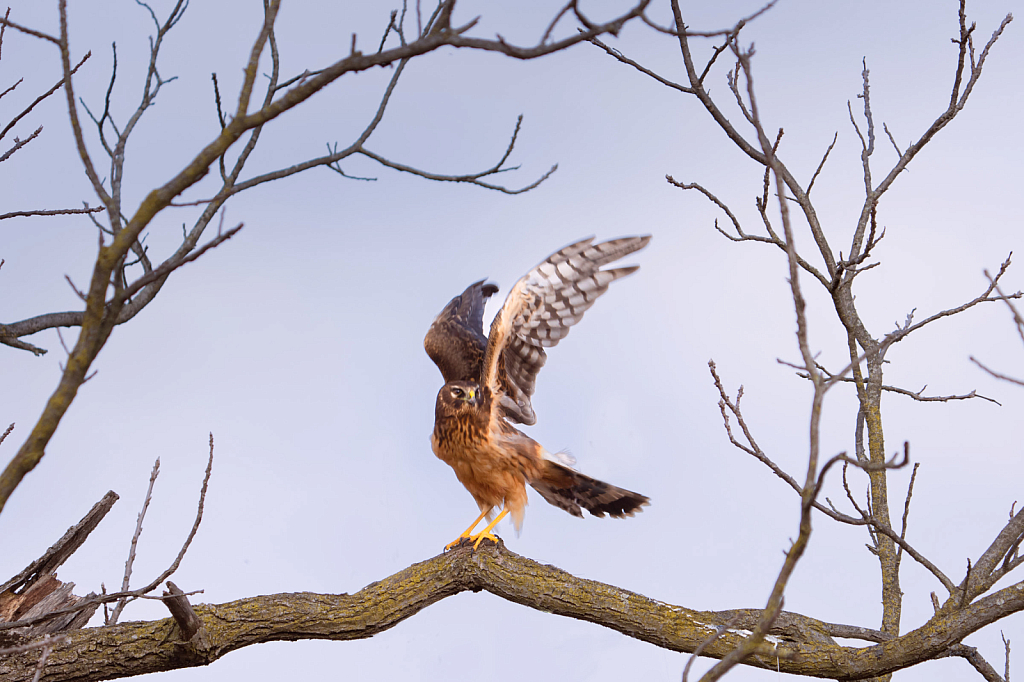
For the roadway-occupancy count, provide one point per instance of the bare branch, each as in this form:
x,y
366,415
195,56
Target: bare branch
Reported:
x,y
999,558
3,27
17,82
809,490
642,69
985,297
15,342
866,517
958,99
997,375
172,264
9,334
473,179
1018,321
821,165
892,140
916,395
53,211
18,144
906,513
28,31
119,607
719,631
1006,646
726,32
195,526
971,655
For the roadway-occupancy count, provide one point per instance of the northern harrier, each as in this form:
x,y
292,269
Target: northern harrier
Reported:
x,y
489,381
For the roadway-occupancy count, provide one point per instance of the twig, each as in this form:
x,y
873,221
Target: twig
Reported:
x,y
1018,321
719,631
3,28
7,432
195,525
906,513
18,144
642,69
916,395
41,97
985,297
1006,646
773,238
710,34
892,140
172,264
821,165
51,211
135,541
29,31
472,179
997,375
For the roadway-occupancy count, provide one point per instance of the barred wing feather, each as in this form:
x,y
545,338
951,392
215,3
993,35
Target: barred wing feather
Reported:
x,y
538,313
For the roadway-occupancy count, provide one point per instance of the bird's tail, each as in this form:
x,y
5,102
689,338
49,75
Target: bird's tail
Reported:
x,y
571,490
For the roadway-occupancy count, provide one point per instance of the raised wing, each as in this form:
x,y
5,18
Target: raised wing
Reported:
x,y
538,312
456,341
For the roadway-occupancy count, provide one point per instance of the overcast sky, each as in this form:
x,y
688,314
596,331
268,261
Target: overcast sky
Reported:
x,y
299,342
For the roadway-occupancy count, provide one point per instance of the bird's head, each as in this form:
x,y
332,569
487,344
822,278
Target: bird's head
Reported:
x,y
460,396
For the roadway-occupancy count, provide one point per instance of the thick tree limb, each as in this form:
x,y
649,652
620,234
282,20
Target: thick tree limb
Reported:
x,y
797,644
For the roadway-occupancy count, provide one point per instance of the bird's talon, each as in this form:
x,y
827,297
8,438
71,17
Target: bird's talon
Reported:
x,y
484,536
457,542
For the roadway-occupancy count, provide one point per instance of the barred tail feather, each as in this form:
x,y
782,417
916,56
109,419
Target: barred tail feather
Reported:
x,y
571,490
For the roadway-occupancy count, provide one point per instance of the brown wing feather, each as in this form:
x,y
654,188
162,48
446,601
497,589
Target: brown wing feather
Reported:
x,y
456,341
538,313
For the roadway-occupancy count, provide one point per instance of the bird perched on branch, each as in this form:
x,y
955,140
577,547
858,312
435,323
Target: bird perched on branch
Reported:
x,y
489,381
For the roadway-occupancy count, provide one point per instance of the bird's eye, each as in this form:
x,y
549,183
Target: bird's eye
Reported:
x,y
457,392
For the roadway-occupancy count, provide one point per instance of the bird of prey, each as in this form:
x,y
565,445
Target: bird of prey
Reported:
x,y
489,381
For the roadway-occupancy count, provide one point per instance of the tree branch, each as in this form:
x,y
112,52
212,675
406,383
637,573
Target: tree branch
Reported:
x,y
797,644
50,211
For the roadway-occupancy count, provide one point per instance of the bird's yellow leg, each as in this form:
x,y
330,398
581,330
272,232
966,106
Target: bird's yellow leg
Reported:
x,y
468,531
486,532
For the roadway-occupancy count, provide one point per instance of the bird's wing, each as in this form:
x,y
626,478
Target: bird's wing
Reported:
x,y
456,341
538,312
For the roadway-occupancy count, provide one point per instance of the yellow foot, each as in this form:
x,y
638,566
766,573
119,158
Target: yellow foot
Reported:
x,y
457,541
475,540
480,537
466,533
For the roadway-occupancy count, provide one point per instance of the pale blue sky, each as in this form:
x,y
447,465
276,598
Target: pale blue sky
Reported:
x,y
299,342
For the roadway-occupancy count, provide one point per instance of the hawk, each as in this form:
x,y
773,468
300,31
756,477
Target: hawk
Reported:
x,y
489,381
